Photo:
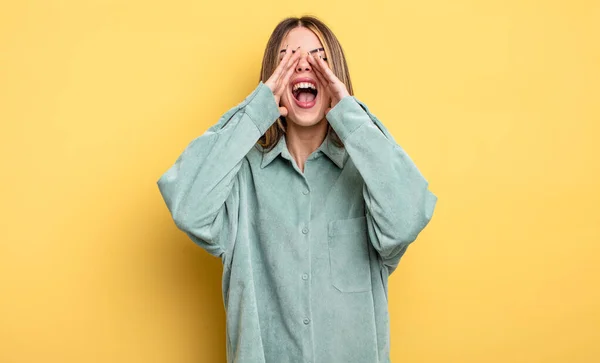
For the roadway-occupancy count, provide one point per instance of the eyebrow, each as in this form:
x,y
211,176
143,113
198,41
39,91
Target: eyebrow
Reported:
x,y
310,51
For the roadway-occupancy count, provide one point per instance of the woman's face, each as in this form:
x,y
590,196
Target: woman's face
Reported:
x,y
304,108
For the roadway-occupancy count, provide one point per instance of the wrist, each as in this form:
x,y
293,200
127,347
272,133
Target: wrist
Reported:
x,y
339,98
347,116
263,108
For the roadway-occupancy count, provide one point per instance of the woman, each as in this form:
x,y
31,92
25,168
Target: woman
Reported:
x,y
308,201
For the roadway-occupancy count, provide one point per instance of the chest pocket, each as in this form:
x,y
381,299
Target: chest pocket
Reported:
x,y
349,255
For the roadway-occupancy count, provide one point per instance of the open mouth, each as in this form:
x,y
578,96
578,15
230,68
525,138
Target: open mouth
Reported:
x,y
305,94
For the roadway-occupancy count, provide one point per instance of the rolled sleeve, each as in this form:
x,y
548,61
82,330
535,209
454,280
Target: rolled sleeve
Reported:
x,y
262,107
347,116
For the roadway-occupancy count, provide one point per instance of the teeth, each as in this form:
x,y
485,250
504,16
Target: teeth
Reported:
x,y
304,85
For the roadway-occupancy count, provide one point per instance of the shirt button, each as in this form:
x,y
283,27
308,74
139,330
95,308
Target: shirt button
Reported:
x,y
306,321
304,276
305,191
305,230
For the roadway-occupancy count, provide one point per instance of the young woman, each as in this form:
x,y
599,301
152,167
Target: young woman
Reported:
x,y
308,201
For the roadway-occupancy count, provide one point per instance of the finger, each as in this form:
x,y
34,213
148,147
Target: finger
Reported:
x,y
319,67
286,65
279,69
313,61
285,77
282,63
291,68
292,59
326,70
283,111
325,89
318,71
322,80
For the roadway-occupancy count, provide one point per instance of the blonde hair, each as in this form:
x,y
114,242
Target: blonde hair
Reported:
x,y
335,59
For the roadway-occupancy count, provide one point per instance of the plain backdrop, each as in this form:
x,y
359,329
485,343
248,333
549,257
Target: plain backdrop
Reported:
x,y
495,101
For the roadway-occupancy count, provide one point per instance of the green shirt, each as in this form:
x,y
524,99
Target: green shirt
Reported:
x,y
306,255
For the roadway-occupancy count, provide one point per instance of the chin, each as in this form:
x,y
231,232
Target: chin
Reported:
x,y
304,120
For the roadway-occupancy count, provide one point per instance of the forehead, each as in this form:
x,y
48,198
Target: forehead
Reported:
x,y
301,37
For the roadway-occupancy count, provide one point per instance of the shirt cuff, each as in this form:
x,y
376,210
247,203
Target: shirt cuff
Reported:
x,y
347,116
262,108
430,203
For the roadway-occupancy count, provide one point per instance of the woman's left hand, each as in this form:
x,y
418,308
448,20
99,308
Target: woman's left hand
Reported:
x,y
335,87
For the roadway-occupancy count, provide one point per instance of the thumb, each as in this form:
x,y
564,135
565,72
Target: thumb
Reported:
x,y
283,111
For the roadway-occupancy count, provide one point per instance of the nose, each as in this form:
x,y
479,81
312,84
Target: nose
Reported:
x,y
303,65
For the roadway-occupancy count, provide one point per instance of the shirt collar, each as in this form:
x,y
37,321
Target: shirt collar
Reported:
x,y
335,153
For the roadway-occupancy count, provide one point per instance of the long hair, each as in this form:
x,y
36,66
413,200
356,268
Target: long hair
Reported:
x,y
335,59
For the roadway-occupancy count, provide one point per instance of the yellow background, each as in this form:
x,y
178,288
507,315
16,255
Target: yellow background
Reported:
x,y
496,101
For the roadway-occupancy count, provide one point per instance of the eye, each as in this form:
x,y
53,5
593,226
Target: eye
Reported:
x,y
315,52
319,52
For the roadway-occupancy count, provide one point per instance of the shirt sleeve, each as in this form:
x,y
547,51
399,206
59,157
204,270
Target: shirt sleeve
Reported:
x,y
397,199
201,190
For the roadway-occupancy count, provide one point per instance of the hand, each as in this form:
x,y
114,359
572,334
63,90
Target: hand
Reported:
x,y
279,80
336,88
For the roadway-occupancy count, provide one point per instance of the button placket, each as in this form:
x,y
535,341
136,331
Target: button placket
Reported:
x,y
305,229
306,204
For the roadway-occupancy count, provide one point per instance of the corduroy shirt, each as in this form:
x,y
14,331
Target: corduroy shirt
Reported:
x,y
306,255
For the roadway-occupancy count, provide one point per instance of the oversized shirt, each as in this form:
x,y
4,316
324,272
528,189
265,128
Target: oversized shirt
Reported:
x,y
306,254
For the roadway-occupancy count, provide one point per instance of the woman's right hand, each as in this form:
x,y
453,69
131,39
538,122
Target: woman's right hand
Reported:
x,y
279,80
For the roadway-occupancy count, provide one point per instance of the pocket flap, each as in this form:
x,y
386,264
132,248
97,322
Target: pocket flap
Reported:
x,y
348,226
